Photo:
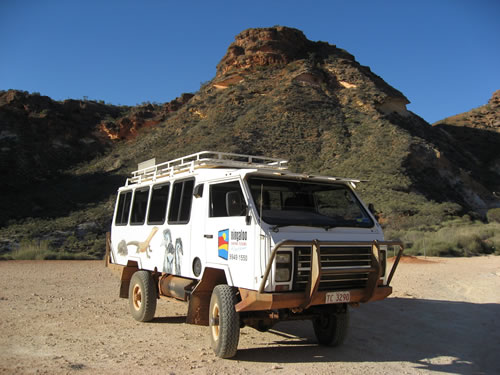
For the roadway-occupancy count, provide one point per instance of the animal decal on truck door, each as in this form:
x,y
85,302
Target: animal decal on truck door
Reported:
x,y
141,246
169,251
178,256
173,254
122,248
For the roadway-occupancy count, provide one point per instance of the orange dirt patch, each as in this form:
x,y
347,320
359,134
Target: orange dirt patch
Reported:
x,y
411,259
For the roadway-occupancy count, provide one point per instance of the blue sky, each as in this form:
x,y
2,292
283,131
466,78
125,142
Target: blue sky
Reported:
x,y
444,55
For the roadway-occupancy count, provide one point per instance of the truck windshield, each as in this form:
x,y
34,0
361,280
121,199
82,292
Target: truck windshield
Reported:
x,y
289,202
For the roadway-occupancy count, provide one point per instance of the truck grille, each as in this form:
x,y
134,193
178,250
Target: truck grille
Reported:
x,y
333,258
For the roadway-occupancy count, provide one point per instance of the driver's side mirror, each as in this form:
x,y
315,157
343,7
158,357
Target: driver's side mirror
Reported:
x,y
371,208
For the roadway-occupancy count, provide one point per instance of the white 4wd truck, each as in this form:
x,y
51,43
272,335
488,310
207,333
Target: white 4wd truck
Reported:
x,y
244,241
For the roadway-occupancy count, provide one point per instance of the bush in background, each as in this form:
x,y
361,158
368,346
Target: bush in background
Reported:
x,y
459,237
40,250
493,215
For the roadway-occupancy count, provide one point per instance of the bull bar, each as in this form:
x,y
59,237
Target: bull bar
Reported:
x,y
257,300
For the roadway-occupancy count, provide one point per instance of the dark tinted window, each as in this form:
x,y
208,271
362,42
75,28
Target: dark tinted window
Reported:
x,y
226,200
139,206
158,204
123,208
180,205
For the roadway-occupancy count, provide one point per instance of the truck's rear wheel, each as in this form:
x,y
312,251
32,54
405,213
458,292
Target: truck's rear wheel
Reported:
x,y
224,322
142,296
331,328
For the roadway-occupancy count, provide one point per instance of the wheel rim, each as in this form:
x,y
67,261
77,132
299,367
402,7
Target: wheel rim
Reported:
x,y
215,322
137,297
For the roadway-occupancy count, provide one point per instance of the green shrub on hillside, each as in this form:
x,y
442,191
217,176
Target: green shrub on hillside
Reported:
x,y
493,215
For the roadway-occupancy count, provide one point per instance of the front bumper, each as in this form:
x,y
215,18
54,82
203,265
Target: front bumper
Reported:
x,y
255,301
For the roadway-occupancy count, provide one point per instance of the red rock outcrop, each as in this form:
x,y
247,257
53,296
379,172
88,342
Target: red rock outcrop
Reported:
x,y
127,127
263,46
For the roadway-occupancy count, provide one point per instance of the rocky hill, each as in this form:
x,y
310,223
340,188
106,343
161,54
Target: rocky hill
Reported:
x,y
275,93
478,133
39,137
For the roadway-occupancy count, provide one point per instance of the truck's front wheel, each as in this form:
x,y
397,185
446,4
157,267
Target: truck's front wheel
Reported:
x,y
331,328
142,296
224,321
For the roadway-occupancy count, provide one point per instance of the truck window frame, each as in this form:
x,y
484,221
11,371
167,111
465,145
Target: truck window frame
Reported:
x,y
135,204
222,200
177,204
151,204
123,206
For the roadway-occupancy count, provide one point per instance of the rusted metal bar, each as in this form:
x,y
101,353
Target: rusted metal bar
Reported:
x,y
314,275
373,276
396,262
108,249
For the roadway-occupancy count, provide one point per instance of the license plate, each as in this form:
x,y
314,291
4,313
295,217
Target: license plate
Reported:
x,y
337,297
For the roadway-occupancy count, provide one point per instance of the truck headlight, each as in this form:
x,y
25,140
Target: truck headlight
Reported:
x,y
283,266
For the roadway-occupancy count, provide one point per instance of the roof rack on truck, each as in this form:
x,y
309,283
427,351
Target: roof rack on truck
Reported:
x,y
204,159
150,171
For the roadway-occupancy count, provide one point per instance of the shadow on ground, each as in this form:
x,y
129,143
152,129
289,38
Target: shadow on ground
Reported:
x,y
170,319
451,337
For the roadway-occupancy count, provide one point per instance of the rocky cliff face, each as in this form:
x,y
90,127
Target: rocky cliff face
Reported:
x,y
40,137
261,47
145,116
477,132
486,117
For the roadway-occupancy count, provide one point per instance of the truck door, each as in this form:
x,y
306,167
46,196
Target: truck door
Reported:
x,y
229,241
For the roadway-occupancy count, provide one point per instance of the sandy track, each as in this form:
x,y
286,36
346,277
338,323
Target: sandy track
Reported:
x,y
65,317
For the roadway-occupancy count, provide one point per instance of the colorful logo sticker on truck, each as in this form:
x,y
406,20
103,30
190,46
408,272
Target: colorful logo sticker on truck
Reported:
x,y
223,243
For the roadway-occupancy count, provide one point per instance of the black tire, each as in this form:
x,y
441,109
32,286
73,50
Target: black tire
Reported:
x,y
224,322
331,328
142,296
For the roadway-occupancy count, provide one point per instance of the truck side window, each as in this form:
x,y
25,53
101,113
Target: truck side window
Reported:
x,y
180,204
139,206
221,196
123,208
158,204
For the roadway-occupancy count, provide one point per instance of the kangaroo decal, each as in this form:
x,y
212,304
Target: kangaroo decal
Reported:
x,y
143,247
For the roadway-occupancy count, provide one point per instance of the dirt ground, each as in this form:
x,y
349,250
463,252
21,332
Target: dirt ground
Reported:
x,y
61,317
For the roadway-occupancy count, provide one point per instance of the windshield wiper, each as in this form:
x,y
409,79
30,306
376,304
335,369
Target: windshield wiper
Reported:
x,y
330,226
275,228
